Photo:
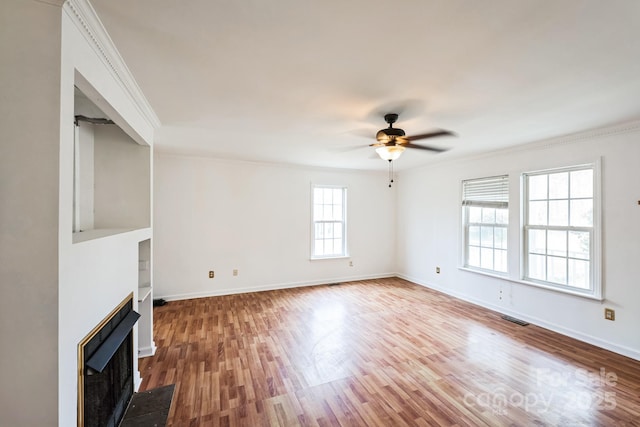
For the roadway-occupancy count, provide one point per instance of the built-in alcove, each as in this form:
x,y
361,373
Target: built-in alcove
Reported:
x,y
146,345
112,175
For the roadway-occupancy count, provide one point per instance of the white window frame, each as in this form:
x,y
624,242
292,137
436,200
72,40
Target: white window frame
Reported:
x,y
344,252
491,193
595,258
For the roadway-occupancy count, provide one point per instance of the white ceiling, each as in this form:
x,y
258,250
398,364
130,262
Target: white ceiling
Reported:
x,y
299,81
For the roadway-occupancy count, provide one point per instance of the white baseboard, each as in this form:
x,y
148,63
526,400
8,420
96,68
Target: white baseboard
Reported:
x,y
147,351
616,348
137,380
271,287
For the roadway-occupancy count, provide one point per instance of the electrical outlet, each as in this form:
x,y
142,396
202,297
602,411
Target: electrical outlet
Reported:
x,y
438,270
609,314
211,275
235,272
350,263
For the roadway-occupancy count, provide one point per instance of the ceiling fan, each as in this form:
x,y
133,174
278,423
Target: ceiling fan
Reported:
x,y
392,141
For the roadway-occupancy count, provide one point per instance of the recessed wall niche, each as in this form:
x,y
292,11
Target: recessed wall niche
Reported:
x,y
111,179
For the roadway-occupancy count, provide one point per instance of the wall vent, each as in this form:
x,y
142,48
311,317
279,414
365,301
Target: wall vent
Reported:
x,y
514,320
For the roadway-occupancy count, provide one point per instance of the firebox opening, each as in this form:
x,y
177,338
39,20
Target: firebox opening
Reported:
x,y
105,367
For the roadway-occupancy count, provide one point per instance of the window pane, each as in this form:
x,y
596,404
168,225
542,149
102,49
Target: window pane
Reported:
x,y
327,212
488,215
337,213
582,183
319,247
537,187
537,269
337,230
474,256
475,214
317,195
537,242
579,244
500,261
582,213
557,243
486,258
559,185
579,273
337,196
500,235
319,231
317,213
502,216
474,235
328,196
328,231
486,236
538,213
557,270
337,246
558,212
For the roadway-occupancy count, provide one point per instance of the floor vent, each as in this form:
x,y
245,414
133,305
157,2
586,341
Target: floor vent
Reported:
x,y
334,284
514,320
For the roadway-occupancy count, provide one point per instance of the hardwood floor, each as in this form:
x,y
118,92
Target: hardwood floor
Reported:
x,y
378,353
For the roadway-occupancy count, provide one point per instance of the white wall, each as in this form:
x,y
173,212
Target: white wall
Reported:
x,y
122,180
224,215
429,235
30,127
94,275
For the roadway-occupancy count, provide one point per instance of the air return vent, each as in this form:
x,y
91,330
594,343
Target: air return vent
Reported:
x,y
514,320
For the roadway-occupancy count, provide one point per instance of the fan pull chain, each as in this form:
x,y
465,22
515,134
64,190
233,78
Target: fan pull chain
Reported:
x,y
390,173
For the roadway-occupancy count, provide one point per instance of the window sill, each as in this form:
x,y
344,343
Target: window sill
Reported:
x,y
534,284
328,257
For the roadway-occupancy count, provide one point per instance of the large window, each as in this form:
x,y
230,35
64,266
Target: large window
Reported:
x,y
560,229
485,204
329,229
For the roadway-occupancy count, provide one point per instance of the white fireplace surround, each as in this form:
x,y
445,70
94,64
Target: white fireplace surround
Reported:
x,y
62,285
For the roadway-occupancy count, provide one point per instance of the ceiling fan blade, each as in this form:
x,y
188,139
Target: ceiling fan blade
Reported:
x,y
379,144
424,147
433,134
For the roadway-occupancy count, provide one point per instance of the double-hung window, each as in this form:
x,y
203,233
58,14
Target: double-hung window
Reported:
x,y
329,228
560,229
485,204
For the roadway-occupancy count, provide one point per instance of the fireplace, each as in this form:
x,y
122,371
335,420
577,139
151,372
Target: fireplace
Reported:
x,y
105,368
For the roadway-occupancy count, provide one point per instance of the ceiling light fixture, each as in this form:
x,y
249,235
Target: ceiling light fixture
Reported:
x,y
390,152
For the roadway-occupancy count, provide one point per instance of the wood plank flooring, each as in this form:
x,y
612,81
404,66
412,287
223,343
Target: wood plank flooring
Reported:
x,y
378,353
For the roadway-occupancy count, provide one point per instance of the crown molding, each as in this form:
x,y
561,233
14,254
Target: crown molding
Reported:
x,y
87,21
623,128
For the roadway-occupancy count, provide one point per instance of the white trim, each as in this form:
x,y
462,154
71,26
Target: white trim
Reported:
x,y
629,127
589,339
147,351
86,20
320,258
596,291
345,243
275,286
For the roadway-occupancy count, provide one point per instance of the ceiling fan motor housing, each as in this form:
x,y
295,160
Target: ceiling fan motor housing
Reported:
x,y
385,135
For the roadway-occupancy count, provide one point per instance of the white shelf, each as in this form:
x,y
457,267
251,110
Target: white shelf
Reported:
x,y
99,233
143,292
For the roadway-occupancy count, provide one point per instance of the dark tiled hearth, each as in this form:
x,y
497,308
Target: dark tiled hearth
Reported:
x,y
149,408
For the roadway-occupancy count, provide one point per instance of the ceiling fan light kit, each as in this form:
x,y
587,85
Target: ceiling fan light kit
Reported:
x,y
392,142
390,152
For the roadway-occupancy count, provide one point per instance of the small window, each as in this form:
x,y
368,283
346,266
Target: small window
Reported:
x,y
485,204
560,229
329,228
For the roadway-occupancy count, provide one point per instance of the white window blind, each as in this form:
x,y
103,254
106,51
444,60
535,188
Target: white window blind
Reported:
x,y
485,206
486,192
